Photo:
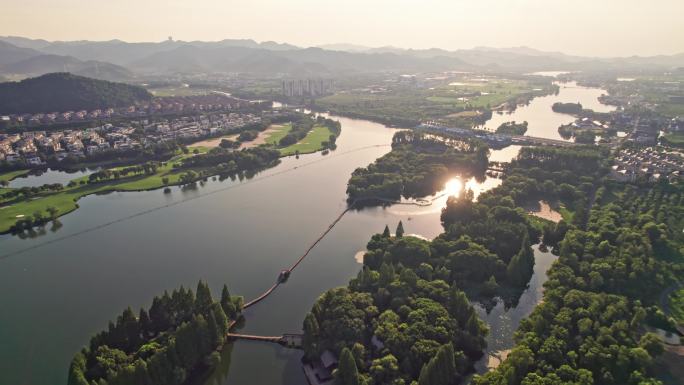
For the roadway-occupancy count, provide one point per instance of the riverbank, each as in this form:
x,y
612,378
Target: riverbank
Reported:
x,y
26,212
64,201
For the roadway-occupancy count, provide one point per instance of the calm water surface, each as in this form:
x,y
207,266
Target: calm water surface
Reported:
x,y
54,297
49,176
542,121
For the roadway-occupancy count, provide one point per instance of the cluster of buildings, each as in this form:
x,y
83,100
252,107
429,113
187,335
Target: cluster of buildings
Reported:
x,y
157,106
645,132
34,148
197,127
586,123
650,163
307,87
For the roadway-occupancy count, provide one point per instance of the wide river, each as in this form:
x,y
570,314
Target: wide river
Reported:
x,y
65,285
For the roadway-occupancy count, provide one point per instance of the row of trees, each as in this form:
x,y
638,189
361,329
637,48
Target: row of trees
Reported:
x,y
228,162
147,168
28,192
180,332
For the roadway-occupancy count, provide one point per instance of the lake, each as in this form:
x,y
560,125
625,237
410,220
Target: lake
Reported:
x,y
54,297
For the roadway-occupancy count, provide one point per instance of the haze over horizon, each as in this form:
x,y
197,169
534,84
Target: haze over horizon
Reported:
x,y
608,28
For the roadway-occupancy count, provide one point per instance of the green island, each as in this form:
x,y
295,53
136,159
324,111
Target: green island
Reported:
x,y
178,336
418,165
567,108
512,128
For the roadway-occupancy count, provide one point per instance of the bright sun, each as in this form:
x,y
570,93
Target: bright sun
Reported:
x,y
453,187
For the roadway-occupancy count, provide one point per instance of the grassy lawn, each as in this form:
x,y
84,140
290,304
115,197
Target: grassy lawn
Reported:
x,y
65,200
279,132
312,142
8,176
677,305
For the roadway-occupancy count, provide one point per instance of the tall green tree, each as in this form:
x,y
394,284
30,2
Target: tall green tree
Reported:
x,y
203,298
309,341
386,232
521,266
347,372
400,230
441,369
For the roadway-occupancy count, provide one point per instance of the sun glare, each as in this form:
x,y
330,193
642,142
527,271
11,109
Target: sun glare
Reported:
x,y
453,187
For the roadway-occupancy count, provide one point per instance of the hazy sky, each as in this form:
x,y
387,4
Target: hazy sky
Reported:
x,y
586,27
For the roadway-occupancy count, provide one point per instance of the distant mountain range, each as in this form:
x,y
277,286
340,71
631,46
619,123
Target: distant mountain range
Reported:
x,y
64,92
27,62
119,60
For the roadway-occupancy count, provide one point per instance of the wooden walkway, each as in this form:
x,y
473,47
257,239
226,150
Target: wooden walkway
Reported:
x,y
293,341
285,274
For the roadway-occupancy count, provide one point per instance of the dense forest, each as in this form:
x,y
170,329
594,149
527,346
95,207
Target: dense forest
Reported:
x,y
60,92
163,345
618,252
418,165
399,320
615,260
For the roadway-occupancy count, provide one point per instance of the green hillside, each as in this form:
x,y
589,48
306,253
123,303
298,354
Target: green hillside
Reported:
x,y
64,92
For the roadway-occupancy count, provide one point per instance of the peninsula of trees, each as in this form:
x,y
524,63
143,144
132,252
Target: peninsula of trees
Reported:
x,y
180,333
418,165
66,92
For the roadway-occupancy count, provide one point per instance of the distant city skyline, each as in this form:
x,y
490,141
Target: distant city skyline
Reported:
x,y
603,28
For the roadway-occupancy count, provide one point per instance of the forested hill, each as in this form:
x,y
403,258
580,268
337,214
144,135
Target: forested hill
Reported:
x,y
58,92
